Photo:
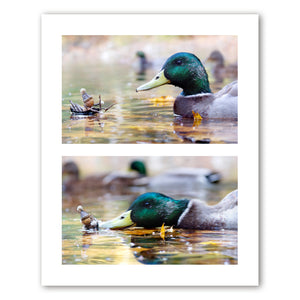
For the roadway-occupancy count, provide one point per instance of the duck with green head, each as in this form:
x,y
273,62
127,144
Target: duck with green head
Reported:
x,y
137,170
151,210
144,64
186,71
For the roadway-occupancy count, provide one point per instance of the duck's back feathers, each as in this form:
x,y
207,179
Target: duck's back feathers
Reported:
x,y
199,215
225,104
229,89
230,201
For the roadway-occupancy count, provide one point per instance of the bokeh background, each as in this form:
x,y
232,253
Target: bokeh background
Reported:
x,y
122,48
88,165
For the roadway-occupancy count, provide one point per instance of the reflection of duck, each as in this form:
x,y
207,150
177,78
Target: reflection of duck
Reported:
x,y
185,70
219,70
206,131
73,184
153,209
148,248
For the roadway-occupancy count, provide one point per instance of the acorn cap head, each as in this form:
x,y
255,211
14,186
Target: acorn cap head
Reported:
x,y
85,96
83,214
79,208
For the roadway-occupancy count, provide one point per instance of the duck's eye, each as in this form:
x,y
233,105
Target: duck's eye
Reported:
x,y
147,204
178,62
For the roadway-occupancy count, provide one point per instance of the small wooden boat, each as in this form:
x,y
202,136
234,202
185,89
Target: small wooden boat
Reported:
x,y
81,110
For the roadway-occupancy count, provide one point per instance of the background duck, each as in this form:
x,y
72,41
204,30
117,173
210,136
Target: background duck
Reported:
x,y
181,177
220,71
151,210
73,184
186,71
127,178
144,63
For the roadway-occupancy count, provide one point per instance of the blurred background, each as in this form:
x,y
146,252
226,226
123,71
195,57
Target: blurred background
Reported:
x,y
88,165
122,48
90,179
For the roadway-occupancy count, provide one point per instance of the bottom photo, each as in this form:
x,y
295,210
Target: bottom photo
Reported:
x,y
137,210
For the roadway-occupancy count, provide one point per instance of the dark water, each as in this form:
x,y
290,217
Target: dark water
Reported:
x,y
140,246
144,117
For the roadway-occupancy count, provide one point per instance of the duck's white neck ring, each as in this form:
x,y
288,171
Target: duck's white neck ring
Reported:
x,y
197,95
184,213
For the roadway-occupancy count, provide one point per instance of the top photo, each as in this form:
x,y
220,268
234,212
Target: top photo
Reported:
x,y
149,89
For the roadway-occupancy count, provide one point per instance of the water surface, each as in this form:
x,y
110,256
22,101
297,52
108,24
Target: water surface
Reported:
x,y
144,117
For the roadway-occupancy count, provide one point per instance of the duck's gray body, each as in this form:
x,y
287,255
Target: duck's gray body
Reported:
x,y
184,176
221,105
199,215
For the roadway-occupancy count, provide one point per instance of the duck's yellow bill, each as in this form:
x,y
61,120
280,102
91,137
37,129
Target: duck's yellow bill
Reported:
x,y
157,80
121,221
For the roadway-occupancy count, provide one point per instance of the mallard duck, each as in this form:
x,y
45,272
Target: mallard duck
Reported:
x,y
128,178
144,63
186,71
73,184
181,177
219,69
151,210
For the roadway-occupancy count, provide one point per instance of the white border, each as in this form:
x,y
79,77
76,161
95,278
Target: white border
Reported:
x,y
245,26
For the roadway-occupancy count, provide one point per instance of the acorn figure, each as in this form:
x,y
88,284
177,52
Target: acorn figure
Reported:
x,y
87,99
88,220
89,107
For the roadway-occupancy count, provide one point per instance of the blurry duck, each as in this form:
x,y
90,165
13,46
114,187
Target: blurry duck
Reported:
x,y
144,64
73,184
219,70
127,178
182,178
185,70
151,210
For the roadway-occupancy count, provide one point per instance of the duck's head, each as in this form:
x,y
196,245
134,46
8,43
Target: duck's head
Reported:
x,y
184,70
70,170
138,166
140,54
149,210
